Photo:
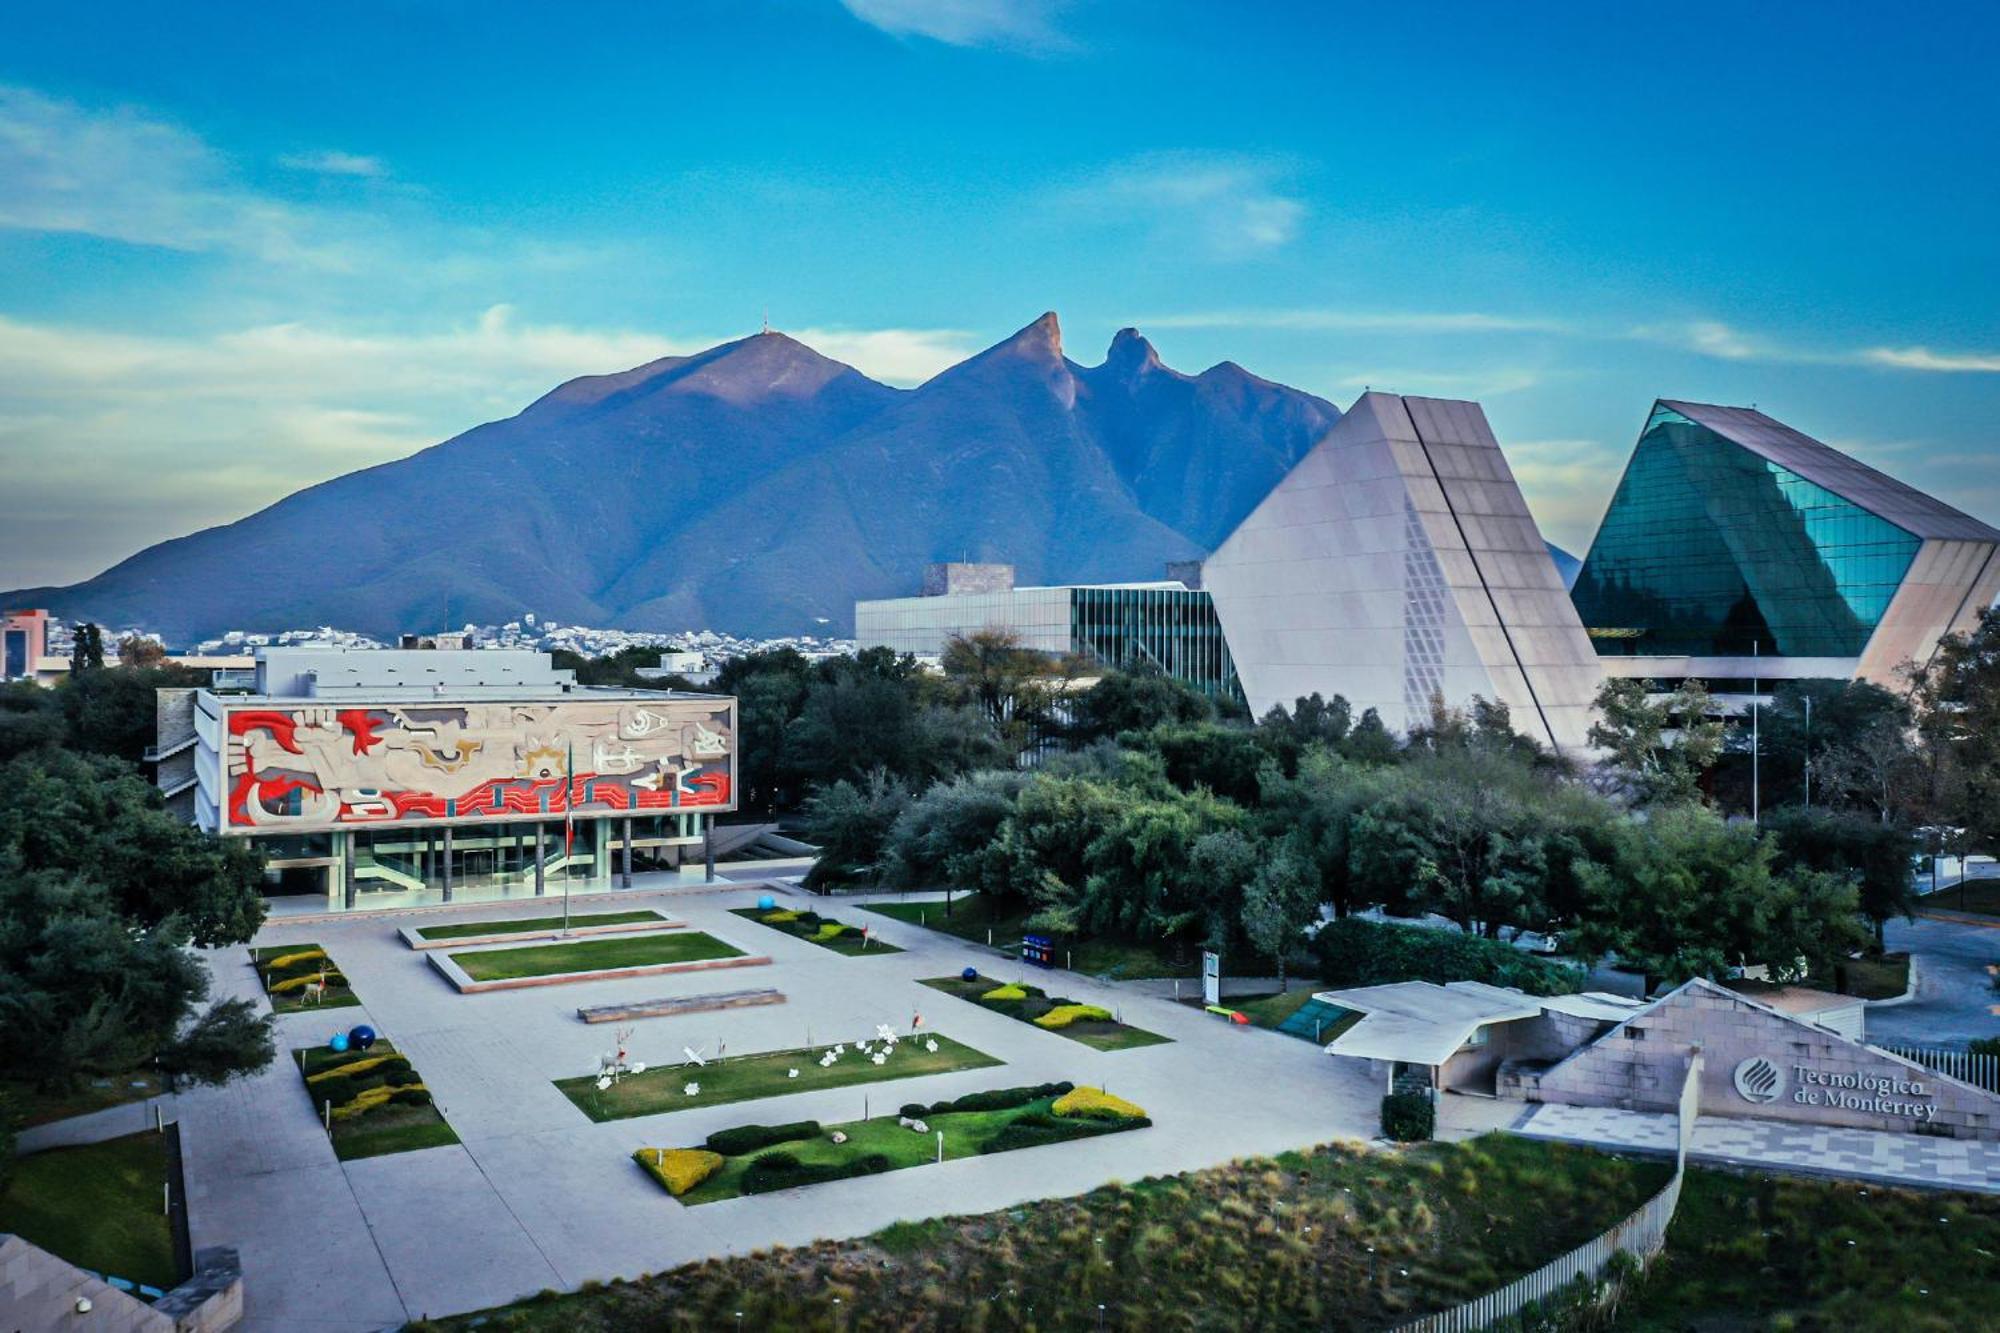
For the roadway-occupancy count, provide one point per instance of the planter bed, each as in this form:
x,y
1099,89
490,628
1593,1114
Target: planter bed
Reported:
x,y
462,934
478,970
759,1159
394,1126
1104,1034
744,1078
282,966
816,929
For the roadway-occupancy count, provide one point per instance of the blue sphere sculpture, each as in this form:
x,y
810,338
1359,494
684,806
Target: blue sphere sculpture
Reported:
x,y
361,1037
337,1042
970,974
766,903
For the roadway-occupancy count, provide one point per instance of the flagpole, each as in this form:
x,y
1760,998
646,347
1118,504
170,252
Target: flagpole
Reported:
x,y
569,830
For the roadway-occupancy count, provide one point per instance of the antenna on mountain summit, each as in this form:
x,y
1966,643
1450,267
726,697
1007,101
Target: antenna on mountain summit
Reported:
x,y
767,319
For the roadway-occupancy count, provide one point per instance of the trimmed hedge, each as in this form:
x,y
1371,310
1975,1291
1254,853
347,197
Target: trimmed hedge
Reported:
x,y
1004,994
994,1099
749,1138
678,1169
1095,1104
783,1171
1408,1117
1064,1015
1354,952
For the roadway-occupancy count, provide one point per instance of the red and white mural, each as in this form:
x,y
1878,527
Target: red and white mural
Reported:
x,y
326,767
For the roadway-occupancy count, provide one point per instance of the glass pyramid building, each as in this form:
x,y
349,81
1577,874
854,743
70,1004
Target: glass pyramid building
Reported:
x,y
1736,546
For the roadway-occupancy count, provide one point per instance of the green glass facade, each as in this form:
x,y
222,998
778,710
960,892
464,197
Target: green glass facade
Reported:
x,y
1710,549
1173,630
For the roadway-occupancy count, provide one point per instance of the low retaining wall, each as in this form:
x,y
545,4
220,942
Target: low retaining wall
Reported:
x,y
39,1290
458,977
415,940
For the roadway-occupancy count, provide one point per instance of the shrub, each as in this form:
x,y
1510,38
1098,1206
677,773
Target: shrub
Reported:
x,y
678,1169
999,1099
1064,1015
781,1170
749,1138
1004,994
366,1100
913,1111
1408,1117
1022,1134
1096,1104
361,1066
304,979
830,930
412,1094
778,918
285,962
1355,952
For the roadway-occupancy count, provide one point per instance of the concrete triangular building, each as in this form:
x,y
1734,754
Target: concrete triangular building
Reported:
x,y
1396,562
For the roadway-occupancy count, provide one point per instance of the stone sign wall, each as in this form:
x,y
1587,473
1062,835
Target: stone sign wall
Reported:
x,y
1760,1062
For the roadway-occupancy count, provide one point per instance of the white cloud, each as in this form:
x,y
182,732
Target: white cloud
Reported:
x,y
894,356
1567,484
1226,206
1027,25
333,162
128,177
1487,382
1923,358
1328,319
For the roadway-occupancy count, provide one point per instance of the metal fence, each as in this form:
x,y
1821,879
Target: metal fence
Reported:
x,y
1982,1071
1642,1235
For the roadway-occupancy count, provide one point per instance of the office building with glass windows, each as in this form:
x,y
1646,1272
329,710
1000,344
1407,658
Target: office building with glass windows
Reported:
x,y
1736,549
1168,626
390,778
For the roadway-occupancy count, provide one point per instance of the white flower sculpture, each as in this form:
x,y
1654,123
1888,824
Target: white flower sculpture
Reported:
x,y
880,1058
885,1032
603,1082
637,1067
692,1089
791,1073
931,1046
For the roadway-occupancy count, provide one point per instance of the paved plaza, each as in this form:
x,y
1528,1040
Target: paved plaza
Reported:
x,y
539,1196
1848,1154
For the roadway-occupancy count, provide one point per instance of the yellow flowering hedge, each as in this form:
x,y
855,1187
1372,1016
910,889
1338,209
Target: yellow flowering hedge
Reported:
x,y
679,1169
304,979
1096,1104
361,1066
830,930
370,1098
1064,1014
1005,993
779,917
293,959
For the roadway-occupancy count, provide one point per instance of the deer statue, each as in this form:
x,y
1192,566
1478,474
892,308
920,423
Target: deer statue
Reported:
x,y
314,991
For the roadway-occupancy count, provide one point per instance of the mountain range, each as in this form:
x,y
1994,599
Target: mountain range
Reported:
x,y
757,487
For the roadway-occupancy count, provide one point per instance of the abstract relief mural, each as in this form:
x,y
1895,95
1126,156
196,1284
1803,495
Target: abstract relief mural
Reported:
x,y
327,766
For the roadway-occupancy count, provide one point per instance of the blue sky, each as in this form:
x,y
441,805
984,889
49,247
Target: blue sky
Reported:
x,y
244,248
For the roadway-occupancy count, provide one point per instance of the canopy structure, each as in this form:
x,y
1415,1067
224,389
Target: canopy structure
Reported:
x,y
1423,1023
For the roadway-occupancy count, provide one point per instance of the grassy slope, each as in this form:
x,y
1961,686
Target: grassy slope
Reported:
x,y
386,1129
1268,1244
458,930
747,1077
844,944
971,917
97,1206
33,1105
1758,1253
965,1134
593,955
1101,1034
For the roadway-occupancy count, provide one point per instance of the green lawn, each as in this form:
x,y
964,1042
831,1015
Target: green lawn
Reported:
x,y
971,917
1881,978
806,926
386,1129
744,1078
1271,1243
459,930
339,995
1102,1034
101,1207
600,954
1755,1253
35,1105
966,1134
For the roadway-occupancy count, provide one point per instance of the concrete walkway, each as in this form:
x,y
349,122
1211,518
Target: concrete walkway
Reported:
x,y
538,1196
1913,1160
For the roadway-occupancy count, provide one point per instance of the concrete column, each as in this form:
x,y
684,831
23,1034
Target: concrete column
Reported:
x,y
625,868
540,846
347,870
446,877
708,846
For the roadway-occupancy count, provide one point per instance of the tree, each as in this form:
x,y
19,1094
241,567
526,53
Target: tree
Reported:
x,y
1010,685
229,1038
1874,857
1831,743
137,650
1226,760
116,710
1281,900
1224,863
770,689
30,718
1958,720
850,822
938,837
86,652
1664,747
620,669
1123,701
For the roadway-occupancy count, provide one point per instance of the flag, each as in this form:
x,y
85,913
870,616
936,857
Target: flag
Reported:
x,y
569,802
